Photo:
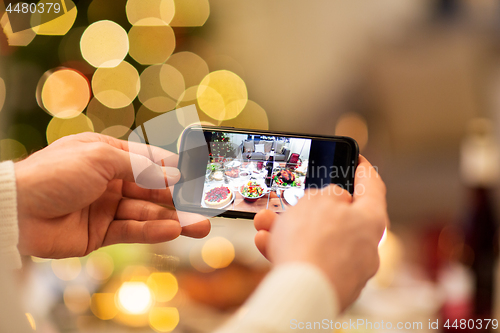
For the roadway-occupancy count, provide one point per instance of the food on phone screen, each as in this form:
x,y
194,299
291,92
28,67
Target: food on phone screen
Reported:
x,y
218,197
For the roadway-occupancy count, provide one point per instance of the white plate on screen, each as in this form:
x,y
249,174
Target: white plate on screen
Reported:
x,y
292,195
233,164
225,206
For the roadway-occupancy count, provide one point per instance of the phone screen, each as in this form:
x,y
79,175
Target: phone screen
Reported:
x,y
245,172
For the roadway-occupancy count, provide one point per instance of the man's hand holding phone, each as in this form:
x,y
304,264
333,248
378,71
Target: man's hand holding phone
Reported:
x,y
79,194
329,228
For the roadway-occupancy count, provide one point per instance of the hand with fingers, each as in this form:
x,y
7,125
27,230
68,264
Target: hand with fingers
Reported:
x,y
79,194
329,228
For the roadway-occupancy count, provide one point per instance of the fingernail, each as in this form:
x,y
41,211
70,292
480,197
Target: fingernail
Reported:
x,y
171,172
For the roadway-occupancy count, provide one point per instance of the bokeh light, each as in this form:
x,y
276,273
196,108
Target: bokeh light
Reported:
x,y
222,95
172,81
59,128
63,93
192,67
197,262
151,44
104,44
144,114
353,125
116,87
190,13
54,26
253,116
31,321
163,319
187,98
152,94
66,269
135,273
391,254
103,117
11,149
218,252
134,297
150,13
163,285
99,266
117,131
76,298
20,38
103,306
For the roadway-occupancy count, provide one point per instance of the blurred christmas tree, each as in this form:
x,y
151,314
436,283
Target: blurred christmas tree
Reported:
x,y
220,147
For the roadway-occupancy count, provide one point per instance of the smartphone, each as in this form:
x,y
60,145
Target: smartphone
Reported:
x,y
236,173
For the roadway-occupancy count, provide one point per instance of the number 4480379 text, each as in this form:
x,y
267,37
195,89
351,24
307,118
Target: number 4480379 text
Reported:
x,y
461,324
32,8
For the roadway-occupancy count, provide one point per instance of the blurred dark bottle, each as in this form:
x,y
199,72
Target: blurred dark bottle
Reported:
x,y
269,169
480,168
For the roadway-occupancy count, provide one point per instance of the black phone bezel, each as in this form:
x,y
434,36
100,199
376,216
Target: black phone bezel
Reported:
x,y
353,160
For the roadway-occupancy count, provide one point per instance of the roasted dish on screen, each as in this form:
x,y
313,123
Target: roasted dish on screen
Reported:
x,y
286,178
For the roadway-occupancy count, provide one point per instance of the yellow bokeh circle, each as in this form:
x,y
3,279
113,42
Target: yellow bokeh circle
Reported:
x,y
353,125
3,93
218,252
161,87
253,116
103,306
59,128
63,93
192,67
222,95
188,98
151,44
76,298
164,286
116,87
104,44
172,81
11,149
20,38
104,117
99,266
150,13
163,319
190,13
66,269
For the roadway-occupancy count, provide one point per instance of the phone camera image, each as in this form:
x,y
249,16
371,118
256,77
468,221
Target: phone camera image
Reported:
x,y
248,171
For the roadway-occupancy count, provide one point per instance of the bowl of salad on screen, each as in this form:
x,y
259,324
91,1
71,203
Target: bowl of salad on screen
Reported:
x,y
252,191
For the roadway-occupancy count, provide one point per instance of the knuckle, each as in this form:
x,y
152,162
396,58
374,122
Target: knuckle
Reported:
x,y
125,230
96,151
145,213
146,236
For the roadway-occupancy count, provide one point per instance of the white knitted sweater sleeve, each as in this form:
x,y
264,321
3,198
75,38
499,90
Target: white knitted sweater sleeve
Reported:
x,y
9,231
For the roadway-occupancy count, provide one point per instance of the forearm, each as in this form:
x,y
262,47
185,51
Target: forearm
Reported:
x,y
291,294
9,231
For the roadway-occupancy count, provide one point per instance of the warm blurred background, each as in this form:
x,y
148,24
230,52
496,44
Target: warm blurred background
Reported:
x,y
416,82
